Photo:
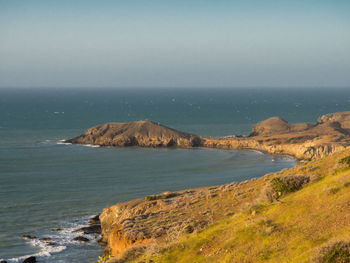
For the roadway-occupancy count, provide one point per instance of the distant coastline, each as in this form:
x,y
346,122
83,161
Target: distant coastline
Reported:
x,y
303,141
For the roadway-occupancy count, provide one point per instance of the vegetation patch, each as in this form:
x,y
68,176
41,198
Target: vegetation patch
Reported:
x,y
334,190
161,196
345,160
287,184
338,252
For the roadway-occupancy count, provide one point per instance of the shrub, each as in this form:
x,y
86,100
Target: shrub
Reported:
x,y
345,160
287,184
162,196
103,259
334,190
189,229
339,252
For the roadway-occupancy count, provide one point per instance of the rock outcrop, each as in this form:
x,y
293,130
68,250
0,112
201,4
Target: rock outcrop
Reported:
x,y
138,133
154,219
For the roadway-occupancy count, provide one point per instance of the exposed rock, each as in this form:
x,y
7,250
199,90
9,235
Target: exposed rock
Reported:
x,y
138,133
81,239
95,220
30,260
92,229
304,141
45,239
50,244
3,261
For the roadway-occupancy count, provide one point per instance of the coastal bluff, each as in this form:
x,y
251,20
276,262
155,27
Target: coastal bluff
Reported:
x,y
304,141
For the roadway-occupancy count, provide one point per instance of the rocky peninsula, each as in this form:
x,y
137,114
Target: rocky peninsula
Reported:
x,y
304,141
268,219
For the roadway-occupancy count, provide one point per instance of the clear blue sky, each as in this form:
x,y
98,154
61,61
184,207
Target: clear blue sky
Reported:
x,y
179,43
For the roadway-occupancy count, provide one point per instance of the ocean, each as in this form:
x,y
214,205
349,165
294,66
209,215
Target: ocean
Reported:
x,y
45,184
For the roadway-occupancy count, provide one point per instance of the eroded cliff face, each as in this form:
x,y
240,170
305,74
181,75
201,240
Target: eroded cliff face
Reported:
x,y
161,218
309,150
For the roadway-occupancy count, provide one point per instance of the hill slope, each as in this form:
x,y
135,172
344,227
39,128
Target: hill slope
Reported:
x,y
240,222
138,133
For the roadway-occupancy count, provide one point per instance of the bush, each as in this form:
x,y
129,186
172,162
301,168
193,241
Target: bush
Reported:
x,y
339,252
334,190
345,160
287,184
161,196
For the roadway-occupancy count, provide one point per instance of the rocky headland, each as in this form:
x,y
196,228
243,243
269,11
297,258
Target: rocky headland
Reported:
x,y
304,141
212,224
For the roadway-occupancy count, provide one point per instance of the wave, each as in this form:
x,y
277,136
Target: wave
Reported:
x,y
63,142
45,251
57,242
256,151
91,145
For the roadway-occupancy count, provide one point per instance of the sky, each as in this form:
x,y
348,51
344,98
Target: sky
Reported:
x,y
168,43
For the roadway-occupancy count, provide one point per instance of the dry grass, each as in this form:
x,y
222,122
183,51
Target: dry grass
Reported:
x,y
293,229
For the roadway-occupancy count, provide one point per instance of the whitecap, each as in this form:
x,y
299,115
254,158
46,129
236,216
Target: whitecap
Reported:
x,y
60,240
228,136
63,142
45,251
256,151
91,145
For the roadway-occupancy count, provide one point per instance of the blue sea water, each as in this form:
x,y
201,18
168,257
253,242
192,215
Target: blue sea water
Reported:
x,y
45,184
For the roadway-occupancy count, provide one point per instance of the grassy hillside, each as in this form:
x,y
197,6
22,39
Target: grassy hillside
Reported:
x,y
311,224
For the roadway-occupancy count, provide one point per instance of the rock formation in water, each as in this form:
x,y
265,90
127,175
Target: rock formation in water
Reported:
x,y
138,133
304,141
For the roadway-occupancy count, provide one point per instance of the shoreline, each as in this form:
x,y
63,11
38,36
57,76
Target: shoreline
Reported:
x,y
250,152
145,222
